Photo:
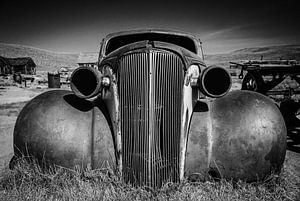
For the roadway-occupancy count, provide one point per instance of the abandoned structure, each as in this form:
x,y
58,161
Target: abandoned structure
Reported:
x,y
23,65
4,66
88,59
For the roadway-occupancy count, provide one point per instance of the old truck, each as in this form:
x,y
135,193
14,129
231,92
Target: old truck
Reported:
x,y
153,111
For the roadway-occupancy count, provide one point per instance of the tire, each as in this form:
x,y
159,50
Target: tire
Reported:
x,y
253,82
289,110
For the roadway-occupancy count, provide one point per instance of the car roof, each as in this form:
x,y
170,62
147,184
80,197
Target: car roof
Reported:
x,y
110,36
142,31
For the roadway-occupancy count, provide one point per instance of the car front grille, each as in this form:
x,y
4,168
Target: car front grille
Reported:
x,y
150,90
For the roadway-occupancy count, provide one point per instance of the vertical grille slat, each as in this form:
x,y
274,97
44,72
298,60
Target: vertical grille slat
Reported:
x,y
150,90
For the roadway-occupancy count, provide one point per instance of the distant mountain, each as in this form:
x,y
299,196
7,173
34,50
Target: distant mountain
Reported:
x,y
45,60
51,61
269,52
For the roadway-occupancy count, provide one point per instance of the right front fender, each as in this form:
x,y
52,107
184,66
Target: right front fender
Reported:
x,y
239,136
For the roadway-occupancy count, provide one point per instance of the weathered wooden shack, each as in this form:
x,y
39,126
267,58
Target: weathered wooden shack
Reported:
x,y
88,59
23,65
4,66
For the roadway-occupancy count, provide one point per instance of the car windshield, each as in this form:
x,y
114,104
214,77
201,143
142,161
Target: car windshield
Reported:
x,y
123,40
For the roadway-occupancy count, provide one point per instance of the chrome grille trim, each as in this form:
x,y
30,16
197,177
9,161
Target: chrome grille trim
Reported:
x,y
150,89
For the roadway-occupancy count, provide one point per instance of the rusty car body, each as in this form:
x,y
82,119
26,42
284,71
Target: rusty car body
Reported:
x,y
153,111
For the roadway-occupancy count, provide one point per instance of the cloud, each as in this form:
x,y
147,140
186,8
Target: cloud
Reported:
x,y
263,33
230,32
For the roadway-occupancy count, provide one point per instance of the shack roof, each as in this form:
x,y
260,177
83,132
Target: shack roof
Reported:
x,y
88,57
21,61
3,61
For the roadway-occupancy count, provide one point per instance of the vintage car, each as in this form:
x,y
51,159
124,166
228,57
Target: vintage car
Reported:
x,y
154,112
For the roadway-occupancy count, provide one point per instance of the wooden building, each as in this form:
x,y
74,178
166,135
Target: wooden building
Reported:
x,y
4,66
88,59
22,65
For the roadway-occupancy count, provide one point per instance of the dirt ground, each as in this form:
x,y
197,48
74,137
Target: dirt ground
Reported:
x,y
13,99
14,94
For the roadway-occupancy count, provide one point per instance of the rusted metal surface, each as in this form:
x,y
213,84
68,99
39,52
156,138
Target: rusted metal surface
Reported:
x,y
104,49
88,87
150,101
59,127
239,136
53,80
214,82
110,98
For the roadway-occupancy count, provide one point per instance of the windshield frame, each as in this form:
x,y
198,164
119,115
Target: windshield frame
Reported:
x,y
175,34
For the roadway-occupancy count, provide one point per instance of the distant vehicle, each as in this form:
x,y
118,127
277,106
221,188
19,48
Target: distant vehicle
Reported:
x,y
153,111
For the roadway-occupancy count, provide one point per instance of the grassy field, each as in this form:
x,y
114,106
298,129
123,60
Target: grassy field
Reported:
x,y
29,182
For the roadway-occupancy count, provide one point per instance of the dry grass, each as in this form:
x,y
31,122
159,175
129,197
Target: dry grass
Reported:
x,y
28,182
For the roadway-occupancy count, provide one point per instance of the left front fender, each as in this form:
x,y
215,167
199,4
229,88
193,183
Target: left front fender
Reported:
x,y
60,128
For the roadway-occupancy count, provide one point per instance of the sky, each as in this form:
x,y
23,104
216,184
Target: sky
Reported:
x,y
79,26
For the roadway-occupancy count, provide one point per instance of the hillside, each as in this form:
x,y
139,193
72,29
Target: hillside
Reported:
x,y
45,60
270,52
50,61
